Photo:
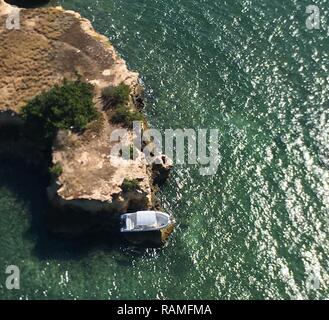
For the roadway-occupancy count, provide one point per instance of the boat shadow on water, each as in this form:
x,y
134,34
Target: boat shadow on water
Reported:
x,y
28,184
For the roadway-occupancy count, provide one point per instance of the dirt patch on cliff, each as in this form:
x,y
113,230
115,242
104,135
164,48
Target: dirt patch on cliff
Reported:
x,y
51,44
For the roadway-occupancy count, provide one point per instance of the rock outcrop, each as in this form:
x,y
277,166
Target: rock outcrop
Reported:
x,y
52,44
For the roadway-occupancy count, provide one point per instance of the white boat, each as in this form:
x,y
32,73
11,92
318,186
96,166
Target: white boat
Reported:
x,y
145,221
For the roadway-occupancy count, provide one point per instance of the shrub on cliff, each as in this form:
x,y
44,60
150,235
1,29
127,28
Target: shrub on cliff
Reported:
x,y
56,170
115,96
130,185
69,106
126,117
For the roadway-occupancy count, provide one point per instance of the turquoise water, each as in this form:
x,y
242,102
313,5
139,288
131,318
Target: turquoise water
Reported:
x,y
258,229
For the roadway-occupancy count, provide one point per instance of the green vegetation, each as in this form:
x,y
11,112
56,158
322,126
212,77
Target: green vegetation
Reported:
x,y
96,126
132,151
126,117
69,106
128,152
129,185
115,96
115,100
56,170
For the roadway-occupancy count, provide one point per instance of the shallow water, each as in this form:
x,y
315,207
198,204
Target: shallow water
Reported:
x,y
259,227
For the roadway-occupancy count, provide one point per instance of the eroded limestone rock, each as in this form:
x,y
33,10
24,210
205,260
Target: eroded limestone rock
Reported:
x,y
53,44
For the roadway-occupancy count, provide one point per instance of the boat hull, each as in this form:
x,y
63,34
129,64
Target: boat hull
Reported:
x,y
147,227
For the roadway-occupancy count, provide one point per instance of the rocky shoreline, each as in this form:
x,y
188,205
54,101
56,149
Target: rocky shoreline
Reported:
x,y
50,45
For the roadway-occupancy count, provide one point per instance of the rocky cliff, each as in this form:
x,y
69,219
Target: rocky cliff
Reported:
x,y
52,44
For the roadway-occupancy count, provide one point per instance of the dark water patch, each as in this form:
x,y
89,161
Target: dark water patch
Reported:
x,y
27,183
28,3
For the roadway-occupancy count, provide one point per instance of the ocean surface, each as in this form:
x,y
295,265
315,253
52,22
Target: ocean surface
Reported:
x,y
258,228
